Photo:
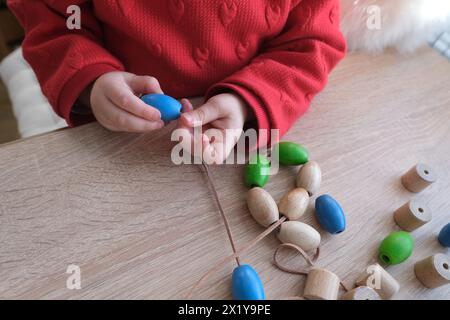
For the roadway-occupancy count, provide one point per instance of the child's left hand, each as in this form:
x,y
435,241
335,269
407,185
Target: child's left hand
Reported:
x,y
221,120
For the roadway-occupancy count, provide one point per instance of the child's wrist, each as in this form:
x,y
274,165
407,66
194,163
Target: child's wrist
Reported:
x,y
85,97
82,105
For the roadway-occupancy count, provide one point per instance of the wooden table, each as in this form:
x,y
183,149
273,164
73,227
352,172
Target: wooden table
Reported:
x,y
140,227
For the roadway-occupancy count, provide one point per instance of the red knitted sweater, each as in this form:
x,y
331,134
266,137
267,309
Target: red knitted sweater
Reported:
x,y
276,54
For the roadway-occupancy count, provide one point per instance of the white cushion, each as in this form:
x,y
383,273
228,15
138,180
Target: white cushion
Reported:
x,y
33,112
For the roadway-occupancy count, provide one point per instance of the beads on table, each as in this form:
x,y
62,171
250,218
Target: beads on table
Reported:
x,y
396,247
412,215
444,236
257,171
290,154
246,284
361,293
380,280
329,214
262,207
300,234
434,271
310,177
294,204
321,284
418,178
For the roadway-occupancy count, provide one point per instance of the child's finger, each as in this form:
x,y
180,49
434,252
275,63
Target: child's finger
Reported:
x,y
126,100
145,85
186,105
213,146
201,116
117,119
128,122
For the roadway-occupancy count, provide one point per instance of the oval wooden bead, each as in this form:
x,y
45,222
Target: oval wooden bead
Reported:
x,y
169,107
418,178
310,177
262,207
257,171
246,284
300,234
294,204
290,154
361,293
412,215
321,284
396,247
380,280
330,215
434,271
444,236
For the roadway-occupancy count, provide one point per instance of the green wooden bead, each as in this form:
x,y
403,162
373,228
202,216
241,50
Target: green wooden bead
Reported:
x,y
396,247
257,171
291,154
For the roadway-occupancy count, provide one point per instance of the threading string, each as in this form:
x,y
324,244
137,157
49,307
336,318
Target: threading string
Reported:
x,y
301,271
222,213
241,251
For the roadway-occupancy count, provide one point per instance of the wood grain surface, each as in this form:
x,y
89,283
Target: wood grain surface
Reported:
x,y
140,227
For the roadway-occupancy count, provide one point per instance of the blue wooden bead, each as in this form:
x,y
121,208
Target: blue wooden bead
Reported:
x,y
169,107
330,214
444,236
246,284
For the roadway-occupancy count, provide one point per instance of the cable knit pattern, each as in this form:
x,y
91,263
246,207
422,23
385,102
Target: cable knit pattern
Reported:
x,y
276,54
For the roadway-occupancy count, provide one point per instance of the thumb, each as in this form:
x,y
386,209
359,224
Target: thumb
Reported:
x,y
201,116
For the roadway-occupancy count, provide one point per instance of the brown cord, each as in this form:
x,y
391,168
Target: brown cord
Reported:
x,y
222,213
240,251
303,272
310,261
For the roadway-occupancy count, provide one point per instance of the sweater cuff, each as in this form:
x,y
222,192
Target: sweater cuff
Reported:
x,y
262,119
75,86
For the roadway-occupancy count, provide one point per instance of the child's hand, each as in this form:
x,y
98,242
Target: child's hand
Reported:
x,y
115,103
222,117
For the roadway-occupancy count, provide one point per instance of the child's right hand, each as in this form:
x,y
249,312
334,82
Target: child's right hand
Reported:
x,y
115,103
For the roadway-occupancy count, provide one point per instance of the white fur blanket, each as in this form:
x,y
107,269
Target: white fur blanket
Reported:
x,y
373,25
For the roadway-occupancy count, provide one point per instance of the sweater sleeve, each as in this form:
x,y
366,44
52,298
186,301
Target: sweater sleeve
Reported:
x,y
65,61
293,67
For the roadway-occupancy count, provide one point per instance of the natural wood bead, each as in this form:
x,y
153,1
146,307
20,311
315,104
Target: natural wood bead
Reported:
x,y
418,178
262,207
380,280
294,204
433,271
412,215
321,284
300,234
310,177
361,293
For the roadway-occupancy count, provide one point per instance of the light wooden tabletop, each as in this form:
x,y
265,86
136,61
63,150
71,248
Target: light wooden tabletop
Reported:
x,y
140,227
